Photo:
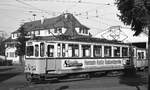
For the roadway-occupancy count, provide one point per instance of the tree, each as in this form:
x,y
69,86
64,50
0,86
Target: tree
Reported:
x,y
21,43
2,47
2,43
137,14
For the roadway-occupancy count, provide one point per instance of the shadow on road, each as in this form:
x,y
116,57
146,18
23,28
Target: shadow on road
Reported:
x,y
62,88
135,80
59,81
6,76
7,72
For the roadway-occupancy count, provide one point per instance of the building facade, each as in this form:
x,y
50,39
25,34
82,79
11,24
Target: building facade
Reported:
x,y
125,35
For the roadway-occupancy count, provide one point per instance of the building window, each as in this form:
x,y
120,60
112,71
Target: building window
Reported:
x,y
49,32
116,51
29,34
80,30
55,31
32,32
58,30
12,54
97,51
15,35
37,32
83,31
107,51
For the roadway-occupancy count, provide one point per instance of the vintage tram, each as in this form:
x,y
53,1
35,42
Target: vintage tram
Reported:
x,y
139,58
57,56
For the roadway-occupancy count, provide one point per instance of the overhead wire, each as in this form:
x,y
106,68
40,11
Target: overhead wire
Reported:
x,y
32,6
45,11
79,1
11,5
42,11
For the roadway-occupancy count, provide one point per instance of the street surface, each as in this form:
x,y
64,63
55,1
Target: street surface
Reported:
x,y
11,80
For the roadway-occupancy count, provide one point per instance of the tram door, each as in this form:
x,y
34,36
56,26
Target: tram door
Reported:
x,y
50,62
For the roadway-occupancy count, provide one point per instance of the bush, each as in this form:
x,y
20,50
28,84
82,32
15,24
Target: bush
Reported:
x,y
6,62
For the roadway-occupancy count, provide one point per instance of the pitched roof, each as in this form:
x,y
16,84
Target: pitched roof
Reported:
x,y
49,23
10,40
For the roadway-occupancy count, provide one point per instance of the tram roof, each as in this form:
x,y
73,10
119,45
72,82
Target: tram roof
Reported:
x,y
77,39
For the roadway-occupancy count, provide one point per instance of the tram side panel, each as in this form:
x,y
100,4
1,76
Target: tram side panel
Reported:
x,y
35,66
86,65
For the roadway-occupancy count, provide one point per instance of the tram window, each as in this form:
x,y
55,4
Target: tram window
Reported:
x,y
50,50
58,50
36,50
134,52
140,55
124,51
97,51
116,51
63,50
107,51
42,49
73,50
86,50
30,50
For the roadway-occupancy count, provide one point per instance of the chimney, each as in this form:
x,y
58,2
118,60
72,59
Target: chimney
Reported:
x,y
42,19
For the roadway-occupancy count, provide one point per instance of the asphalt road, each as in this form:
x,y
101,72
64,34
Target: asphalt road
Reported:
x,y
16,81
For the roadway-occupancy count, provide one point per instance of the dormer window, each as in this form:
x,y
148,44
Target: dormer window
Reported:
x,y
29,34
32,32
83,31
37,32
15,35
18,34
51,31
58,30
12,35
80,30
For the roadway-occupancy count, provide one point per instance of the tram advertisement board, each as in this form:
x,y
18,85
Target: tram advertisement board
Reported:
x,y
82,63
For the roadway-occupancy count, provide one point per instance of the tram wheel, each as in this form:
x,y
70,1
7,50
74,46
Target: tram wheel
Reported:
x,y
88,76
29,77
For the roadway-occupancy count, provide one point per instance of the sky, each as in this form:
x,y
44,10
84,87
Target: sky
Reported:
x,y
98,15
